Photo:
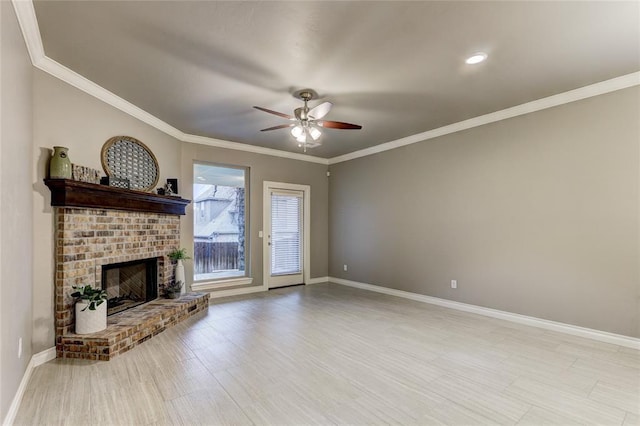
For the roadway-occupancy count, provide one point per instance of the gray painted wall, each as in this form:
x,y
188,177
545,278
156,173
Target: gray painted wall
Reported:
x,y
536,215
16,124
264,168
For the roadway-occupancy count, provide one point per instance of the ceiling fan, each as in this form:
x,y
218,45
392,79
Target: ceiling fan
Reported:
x,y
307,122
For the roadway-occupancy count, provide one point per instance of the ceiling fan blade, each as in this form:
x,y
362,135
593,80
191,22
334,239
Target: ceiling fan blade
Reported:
x,y
320,111
280,114
337,125
282,126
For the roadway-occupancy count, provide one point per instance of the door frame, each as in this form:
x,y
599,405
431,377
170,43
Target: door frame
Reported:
x,y
306,228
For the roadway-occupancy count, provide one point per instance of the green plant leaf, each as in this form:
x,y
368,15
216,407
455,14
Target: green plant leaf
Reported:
x,y
178,254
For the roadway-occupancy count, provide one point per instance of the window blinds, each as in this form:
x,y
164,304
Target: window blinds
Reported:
x,y
286,233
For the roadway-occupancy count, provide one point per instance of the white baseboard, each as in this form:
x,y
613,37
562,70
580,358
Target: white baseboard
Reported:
x,y
36,360
318,280
602,336
44,356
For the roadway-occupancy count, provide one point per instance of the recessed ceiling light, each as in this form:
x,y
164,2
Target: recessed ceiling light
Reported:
x,y
476,58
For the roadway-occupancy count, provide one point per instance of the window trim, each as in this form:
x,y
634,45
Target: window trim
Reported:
x,y
221,283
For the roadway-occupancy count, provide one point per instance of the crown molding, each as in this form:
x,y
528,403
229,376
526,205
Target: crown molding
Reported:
x,y
28,23
31,33
65,74
596,89
219,143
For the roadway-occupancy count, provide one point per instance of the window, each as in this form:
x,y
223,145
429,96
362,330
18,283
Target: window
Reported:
x,y
219,216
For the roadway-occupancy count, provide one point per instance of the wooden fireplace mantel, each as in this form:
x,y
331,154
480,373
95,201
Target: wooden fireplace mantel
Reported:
x,y
72,193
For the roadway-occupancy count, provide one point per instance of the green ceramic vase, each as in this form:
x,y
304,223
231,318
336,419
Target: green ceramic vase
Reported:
x,y
60,166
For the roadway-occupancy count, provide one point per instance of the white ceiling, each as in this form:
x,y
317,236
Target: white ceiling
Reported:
x,y
396,68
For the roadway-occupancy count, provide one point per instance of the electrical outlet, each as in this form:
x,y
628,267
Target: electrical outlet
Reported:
x,y
454,284
344,267
20,347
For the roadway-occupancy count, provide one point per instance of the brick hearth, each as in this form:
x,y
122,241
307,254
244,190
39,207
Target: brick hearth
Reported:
x,y
86,239
132,327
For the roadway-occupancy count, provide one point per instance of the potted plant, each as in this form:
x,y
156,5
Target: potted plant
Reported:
x,y
178,255
91,309
173,290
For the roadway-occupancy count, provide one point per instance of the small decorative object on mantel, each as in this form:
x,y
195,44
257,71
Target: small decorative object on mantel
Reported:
x,y
91,309
174,185
174,289
168,189
125,157
85,174
179,255
60,165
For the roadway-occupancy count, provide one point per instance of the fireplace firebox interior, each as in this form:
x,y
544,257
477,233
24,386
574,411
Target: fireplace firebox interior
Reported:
x,y
130,284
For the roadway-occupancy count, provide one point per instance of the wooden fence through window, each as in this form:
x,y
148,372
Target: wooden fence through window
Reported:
x,y
211,257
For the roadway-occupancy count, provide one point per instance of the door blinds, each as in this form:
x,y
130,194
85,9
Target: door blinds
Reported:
x,y
286,232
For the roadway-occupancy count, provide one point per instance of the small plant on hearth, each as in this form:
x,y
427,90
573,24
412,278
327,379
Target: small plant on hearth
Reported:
x,y
178,254
172,290
93,297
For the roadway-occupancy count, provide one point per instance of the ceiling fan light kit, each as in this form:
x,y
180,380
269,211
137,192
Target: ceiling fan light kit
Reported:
x,y
476,58
306,130
297,131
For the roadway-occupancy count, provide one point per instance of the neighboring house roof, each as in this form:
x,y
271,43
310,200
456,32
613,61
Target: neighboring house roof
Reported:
x,y
226,193
224,225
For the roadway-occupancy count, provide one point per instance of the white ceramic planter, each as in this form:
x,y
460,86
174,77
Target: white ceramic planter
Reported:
x,y
180,276
89,321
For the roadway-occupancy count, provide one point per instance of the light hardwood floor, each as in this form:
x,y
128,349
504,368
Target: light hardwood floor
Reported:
x,y
330,354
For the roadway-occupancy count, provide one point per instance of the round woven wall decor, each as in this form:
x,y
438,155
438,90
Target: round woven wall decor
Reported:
x,y
125,157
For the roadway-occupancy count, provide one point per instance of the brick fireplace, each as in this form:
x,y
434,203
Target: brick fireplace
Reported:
x,y
86,240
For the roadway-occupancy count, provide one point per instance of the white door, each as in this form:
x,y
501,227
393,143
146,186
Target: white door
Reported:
x,y
284,236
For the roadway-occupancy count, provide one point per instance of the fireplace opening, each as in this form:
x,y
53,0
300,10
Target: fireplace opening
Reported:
x,y
129,284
